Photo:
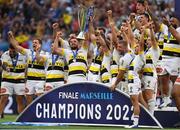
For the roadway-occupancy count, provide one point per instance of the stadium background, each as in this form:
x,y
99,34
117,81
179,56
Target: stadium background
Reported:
x,y
33,18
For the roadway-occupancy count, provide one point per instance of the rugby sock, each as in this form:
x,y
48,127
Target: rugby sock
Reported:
x,y
136,120
151,105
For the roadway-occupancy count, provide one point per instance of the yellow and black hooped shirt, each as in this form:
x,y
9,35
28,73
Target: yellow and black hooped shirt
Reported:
x,y
55,68
96,62
172,47
36,70
162,37
105,73
115,63
151,57
17,68
76,60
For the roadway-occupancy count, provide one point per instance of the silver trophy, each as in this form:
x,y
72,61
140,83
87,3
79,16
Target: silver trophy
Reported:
x,y
86,10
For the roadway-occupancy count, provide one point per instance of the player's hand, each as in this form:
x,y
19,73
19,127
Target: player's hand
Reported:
x,y
55,26
59,34
109,13
113,87
10,34
146,5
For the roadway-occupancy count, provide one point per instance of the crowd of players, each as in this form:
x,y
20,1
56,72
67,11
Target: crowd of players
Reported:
x,y
140,56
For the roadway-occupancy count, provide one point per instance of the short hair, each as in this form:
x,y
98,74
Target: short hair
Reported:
x,y
140,1
11,46
146,15
40,41
102,28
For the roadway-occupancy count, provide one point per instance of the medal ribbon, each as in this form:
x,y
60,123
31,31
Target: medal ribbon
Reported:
x,y
14,62
54,59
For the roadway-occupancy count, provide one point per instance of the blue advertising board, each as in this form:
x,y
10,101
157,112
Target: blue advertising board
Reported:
x,y
85,103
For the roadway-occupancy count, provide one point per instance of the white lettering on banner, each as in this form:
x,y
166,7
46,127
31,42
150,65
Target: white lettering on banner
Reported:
x,y
8,109
98,111
66,111
68,95
126,109
116,112
82,111
53,112
70,109
62,107
46,110
38,107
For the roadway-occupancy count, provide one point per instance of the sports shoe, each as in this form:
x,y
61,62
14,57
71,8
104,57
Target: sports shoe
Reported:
x,y
131,126
165,104
177,125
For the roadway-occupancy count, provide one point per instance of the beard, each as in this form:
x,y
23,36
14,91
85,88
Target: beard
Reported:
x,y
175,26
74,48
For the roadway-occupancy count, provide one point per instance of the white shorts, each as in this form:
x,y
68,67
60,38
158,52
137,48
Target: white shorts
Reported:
x,y
76,79
49,85
134,88
177,82
123,86
34,87
149,82
169,66
93,77
12,88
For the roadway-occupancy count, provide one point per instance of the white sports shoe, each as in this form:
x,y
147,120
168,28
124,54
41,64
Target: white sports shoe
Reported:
x,y
131,126
165,103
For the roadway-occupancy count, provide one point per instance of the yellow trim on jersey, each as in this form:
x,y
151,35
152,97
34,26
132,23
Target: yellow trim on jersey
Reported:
x,y
114,70
141,52
121,68
74,68
166,37
130,76
8,76
62,52
50,76
35,63
19,66
148,70
94,68
36,74
161,28
23,51
161,42
106,77
171,49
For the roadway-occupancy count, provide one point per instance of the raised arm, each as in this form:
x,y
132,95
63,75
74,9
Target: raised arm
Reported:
x,y
56,49
14,43
131,37
56,29
173,31
152,35
113,29
141,42
103,44
153,17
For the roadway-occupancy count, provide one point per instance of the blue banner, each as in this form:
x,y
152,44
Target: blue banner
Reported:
x,y
85,103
